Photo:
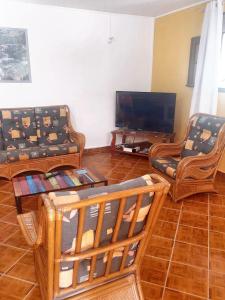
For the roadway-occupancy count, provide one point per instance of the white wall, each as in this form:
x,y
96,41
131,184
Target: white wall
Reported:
x,y
72,63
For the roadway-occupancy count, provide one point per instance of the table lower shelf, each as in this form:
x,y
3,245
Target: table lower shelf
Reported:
x,y
131,153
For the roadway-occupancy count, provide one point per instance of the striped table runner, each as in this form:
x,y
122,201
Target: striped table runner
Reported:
x,y
35,184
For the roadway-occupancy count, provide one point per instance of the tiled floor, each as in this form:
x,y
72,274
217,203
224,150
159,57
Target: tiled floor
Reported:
x,y
185,259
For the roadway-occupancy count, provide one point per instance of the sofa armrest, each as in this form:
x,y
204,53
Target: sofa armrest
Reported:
x,y
79,138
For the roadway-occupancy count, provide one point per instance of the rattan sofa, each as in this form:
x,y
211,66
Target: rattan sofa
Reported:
x,y
90,244
38,139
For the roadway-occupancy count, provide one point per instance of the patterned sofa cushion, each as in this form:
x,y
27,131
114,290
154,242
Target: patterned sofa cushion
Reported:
x,y
40,152
18,128
167,165
202,136
52,125
70,221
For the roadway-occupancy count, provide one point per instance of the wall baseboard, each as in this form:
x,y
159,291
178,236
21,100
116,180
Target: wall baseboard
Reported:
x,y
97,150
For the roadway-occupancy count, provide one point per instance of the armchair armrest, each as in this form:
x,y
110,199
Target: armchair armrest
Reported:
x,y
32,232
166,149
79,138
198,167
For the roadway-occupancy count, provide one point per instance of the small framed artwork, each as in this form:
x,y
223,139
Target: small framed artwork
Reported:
x,y
14,55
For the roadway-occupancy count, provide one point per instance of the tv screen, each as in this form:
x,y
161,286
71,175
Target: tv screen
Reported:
x,y
145,111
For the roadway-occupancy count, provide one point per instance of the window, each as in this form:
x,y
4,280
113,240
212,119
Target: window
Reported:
x,y
195,41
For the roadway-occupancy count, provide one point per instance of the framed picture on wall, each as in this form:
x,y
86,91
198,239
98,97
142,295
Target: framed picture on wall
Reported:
x,y
14,55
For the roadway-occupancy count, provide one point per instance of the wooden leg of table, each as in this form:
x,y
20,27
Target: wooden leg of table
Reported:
x,y
19,205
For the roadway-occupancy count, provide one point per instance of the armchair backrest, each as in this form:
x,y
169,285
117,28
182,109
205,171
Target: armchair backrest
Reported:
x,y
204,133
101,238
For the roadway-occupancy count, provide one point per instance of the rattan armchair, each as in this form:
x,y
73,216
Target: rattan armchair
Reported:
x,y
191,165
45,233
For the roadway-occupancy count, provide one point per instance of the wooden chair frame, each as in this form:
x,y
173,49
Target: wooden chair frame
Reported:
x,y
44,165
194,174
47,247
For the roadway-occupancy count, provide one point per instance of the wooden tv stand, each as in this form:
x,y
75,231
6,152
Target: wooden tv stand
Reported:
x,y
145,139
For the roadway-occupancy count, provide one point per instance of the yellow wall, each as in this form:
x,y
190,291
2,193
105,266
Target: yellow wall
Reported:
x,y
173,35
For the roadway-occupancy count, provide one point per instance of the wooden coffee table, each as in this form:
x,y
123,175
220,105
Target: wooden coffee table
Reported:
x,y
71,179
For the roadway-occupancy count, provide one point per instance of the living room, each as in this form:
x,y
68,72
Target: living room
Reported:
x,y
79,56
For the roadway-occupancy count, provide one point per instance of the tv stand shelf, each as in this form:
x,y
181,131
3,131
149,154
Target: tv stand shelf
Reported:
x,y
145,140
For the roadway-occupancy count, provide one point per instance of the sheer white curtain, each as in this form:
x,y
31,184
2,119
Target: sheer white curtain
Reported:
x,y
205,91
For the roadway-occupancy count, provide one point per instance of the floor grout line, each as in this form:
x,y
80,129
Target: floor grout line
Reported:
x,y
33,287
11,246
17,278
186,293
13,265
171,255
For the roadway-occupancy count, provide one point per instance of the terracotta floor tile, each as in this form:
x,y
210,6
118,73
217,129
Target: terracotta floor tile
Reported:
x,y
217,286
6,230
117,175
142,170
8,257
193,219
216,211
188,279
192,235
152,291
165,229
190,254
17,240
160,247
24,268
11,217
125,164
217,240
203,198
169,215
169,203
113,181
217,260
5,210
6,186
217,224
7,198
217,199
195,207
154,270
34,294
8,297
175,295
14,287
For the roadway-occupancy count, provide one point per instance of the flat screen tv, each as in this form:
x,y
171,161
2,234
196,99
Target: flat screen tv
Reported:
x,y
145,111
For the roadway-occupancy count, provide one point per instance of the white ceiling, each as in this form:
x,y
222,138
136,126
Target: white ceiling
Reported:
x,y
150,8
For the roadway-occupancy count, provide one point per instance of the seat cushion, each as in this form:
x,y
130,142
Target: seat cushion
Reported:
x,y
18,128
40,152
70,221
3,157
203,135
52,125
167,165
